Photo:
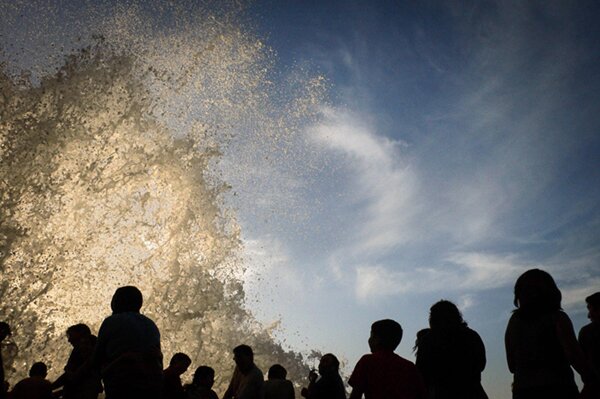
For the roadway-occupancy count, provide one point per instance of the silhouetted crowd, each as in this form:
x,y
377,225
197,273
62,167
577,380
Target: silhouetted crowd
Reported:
x,y
125,360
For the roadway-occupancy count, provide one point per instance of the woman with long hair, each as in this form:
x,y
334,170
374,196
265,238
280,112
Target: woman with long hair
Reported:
x,y
450,355
540,341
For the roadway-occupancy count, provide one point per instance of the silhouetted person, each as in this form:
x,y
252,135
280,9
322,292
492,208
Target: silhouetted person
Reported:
x,y
383,374
36,386
128,350
540,341
589,339
330,385
78,380
450,356
276,386
4,333
178,365
201,386
247,380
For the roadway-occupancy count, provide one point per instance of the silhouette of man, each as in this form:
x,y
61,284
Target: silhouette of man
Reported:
x,y
330,385
383,374
172,376
36,386
276,386
128,350
4,332
247,380
78,380
589,339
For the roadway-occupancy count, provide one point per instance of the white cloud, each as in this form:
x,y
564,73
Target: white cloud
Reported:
x,y
384,186
574,295
465,302
482,271
374,281
463,272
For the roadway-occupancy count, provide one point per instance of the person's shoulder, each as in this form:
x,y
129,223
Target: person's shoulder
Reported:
x,y
391,359
561,317
402,361
470,333
589,330
108,321
366,357
257,373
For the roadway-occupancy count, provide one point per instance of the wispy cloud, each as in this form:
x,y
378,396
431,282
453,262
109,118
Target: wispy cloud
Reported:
x,y
383,183
461,272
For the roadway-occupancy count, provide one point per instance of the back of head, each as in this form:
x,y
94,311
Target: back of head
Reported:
x,y
38,369
329,364
80,329
388,333
594,300
243,350
126,299
536,293
277,372
180,358
445,316
203,376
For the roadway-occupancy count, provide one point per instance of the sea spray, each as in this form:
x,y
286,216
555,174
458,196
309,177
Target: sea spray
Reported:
x,y
108,177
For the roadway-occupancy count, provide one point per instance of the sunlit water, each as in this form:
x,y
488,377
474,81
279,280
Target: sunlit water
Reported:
x,y
109,152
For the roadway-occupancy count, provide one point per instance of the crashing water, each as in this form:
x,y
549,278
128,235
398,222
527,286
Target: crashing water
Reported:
x,y
110,143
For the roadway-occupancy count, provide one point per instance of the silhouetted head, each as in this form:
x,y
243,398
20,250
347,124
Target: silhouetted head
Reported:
x,y
536,292
78,332
4,330
421,334
38,369
204,377
593,305
277,372
243,357
179,363
126,299
385,335
329,364
445,316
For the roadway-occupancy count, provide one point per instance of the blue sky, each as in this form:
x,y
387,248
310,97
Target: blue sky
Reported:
x,y
459,148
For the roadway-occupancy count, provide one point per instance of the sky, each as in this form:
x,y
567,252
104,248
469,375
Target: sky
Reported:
x,y
458,147
462,142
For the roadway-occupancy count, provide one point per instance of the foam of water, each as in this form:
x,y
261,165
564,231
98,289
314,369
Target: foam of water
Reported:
x,y
107,178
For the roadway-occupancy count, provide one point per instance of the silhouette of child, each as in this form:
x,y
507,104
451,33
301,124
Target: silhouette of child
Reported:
x,y
36,386
201,385
383,374
276,386
172,376
330,385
